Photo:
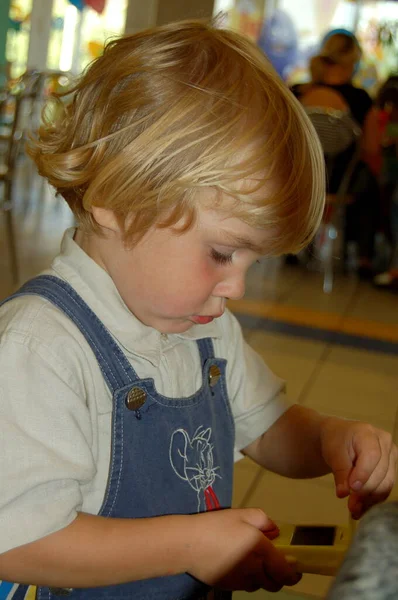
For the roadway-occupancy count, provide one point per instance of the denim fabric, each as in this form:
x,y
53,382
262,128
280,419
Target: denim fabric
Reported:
x,y
169,455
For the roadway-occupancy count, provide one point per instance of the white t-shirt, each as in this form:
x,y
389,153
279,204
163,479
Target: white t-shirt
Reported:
x,y
55,408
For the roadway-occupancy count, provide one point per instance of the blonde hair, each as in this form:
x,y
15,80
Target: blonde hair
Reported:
x,y
338,49
177,108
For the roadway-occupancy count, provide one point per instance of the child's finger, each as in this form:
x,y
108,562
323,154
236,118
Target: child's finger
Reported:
x,y
271,531
257,518
369,455
372,493
272,534
375,467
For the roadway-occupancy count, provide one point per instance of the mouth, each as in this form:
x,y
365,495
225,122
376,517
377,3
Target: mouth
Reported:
x,y
204,320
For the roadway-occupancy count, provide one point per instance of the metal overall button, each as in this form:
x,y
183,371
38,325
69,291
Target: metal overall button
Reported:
x,y
214,375
135,399
61,591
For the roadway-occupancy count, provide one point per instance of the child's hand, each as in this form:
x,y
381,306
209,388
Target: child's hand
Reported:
x,y
229,550
363,460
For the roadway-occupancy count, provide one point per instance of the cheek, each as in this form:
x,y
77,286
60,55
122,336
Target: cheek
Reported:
x,y
195,282
203,276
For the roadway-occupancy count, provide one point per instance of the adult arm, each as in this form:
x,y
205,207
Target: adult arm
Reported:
x,y
371,141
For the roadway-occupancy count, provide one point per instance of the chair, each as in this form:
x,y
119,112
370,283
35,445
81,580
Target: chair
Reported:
x,y
20,113
36,87
340,138
10,139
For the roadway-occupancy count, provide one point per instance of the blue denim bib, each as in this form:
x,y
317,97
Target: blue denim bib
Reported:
x,y
169,455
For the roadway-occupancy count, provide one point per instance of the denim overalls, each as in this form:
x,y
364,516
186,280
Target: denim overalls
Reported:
x,y
168,456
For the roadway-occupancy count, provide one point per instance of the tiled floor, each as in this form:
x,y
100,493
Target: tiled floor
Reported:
x,y
331,376
337,379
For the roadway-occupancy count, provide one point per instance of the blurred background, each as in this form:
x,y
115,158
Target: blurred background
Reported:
x,y
66,35
321,321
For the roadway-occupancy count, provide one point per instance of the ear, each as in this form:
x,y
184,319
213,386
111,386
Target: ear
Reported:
x,y
178,452
106,218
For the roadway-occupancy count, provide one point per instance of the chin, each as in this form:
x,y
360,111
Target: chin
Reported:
x,y
179,327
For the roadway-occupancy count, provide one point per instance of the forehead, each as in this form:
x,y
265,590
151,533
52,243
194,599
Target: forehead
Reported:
x,y
225,229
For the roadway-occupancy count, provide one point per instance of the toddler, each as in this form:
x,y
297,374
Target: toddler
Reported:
x,y
127,388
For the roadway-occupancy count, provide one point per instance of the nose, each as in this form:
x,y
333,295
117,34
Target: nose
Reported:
x,y
233,287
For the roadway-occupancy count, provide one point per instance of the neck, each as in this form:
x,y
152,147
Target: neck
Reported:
x,y
335,80
91,245
337,75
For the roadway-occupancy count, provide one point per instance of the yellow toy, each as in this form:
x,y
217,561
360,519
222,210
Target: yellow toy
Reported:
x,y
317,549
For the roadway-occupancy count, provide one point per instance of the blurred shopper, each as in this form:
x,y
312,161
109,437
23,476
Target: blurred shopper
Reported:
x,y
387,103
331,86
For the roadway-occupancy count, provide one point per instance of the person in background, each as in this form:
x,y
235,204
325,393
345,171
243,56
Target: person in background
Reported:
x,y
387,103
331,86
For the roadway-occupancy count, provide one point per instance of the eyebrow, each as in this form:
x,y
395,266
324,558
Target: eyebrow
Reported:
x,y
242,242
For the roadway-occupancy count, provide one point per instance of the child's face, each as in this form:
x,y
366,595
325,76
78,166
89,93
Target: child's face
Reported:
x,y
171,281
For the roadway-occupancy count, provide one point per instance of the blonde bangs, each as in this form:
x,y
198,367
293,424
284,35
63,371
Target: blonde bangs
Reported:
x,y
175,109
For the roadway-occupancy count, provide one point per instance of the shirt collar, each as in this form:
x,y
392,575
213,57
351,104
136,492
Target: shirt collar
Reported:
x,y
97,289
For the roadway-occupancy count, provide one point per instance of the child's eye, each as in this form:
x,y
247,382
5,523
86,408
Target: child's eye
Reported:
x,y
221,259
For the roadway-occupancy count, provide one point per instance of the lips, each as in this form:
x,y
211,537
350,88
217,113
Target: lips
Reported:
x,y
202,320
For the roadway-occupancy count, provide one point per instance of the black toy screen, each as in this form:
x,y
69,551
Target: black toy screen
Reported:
x,y
313,536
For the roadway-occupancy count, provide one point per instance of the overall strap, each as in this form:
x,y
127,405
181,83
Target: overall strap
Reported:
x,y
206,349
115,367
